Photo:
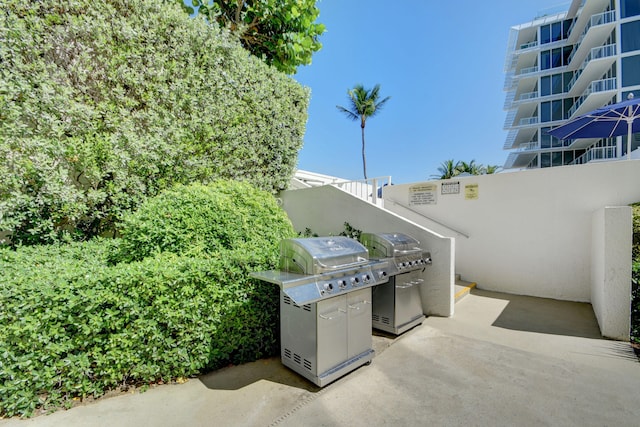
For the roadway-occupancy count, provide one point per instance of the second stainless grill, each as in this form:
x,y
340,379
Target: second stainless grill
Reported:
x,y
397,304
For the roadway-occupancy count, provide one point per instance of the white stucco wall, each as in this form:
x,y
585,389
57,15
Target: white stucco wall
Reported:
x,y
611,270
529,232
324,210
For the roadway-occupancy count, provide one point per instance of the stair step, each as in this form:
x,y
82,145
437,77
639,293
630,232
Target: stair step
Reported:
x,y
462,289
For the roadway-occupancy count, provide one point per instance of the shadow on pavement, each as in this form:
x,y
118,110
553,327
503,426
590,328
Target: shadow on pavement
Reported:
x,y
237,377
546,316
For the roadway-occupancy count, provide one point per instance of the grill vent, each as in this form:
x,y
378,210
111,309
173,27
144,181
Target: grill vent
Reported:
x,y
287,353
307,307
375,317
296,358
386,320
308,364
286,300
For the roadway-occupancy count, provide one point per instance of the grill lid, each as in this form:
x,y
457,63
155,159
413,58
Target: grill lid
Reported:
x,y
318,255
389,245
316,268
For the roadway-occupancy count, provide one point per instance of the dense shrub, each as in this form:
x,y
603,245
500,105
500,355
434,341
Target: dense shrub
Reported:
x,y
202,220
73,324
103,104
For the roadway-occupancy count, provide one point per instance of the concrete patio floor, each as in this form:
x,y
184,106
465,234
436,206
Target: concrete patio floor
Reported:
x,y
502,360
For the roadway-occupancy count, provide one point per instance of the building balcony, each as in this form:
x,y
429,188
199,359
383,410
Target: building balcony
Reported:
x,y
587,9
598,29
596,95
594,65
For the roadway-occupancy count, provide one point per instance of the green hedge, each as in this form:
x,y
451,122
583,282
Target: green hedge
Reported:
x,y
103,104
74,324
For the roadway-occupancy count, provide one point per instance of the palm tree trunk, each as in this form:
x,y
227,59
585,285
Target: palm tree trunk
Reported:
x,y
364,159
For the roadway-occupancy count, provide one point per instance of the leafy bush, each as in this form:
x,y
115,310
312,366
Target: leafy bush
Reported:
x,y
202,220
103,104
73,324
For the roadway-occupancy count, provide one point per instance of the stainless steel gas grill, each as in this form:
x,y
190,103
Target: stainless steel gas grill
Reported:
x,y
397,306
325,305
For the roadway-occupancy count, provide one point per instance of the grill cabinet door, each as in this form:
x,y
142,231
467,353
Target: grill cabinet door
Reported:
x,y
332,332
359,309
408,302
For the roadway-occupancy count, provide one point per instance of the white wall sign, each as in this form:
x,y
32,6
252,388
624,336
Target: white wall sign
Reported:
x,y
423,194
450,187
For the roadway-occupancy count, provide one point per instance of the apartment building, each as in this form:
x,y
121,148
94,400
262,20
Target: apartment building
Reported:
x,y
564,64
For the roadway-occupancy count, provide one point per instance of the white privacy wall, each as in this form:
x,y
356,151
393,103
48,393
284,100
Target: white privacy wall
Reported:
x,y
529,232
324,210
611,269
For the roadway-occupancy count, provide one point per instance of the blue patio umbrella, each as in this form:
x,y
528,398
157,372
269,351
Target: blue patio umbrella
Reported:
x,y
606,122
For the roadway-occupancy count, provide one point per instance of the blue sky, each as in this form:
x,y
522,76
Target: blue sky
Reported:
x,y
442,63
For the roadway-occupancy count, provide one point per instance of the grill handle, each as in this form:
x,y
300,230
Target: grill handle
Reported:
x,y
357,305
409,284
333,314
343,266
408,251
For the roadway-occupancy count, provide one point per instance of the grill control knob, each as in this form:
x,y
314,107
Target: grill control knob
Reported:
x,y
328,286
341,283
382,274
366,278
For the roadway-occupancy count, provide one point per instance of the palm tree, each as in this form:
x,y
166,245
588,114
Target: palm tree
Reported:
x,y
447,169
472,168
490,169
364,103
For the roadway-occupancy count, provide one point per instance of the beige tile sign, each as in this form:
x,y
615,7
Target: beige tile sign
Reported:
x,y
423,194
471,191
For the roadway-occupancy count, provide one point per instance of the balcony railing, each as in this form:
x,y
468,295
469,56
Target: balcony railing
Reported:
x,y
528,121
529,45
529,70
528,95
596,86
597,153
530,146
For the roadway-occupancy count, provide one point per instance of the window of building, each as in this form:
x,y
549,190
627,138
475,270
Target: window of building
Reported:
x,y
545,86
566,53
554,32
545,34
555,110
630,36
629,8
545,59
556,84
545,160
567,157
631,71
555,58
566,25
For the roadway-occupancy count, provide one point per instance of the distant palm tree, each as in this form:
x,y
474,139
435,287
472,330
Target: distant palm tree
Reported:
x,y
364,103
472,168
447,169
489,169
